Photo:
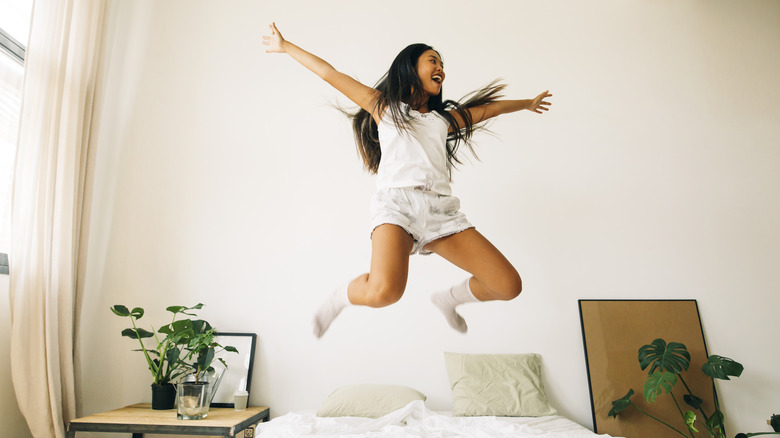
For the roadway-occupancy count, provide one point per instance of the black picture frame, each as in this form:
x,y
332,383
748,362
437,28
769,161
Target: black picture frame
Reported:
x,y
239,372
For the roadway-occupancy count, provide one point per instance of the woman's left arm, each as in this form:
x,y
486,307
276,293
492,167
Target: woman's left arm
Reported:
x,y
493,109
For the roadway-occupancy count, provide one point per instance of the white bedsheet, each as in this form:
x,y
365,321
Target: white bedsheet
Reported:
x,y
416,420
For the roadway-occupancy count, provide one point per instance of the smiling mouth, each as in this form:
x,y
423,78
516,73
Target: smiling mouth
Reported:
x,y
438,79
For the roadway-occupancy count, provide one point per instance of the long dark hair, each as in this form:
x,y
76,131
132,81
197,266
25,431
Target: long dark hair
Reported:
x,y
401,84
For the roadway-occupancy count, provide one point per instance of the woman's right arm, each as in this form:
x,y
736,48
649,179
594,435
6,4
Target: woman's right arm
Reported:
x,y
362,95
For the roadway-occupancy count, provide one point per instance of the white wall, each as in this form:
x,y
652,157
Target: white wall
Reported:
x,y
223,175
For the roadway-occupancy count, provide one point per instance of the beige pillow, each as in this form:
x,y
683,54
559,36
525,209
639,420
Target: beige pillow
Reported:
x,y
367,400
502,385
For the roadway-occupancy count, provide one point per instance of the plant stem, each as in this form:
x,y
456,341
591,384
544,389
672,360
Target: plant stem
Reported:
x,y
717,408
677,405
160,351
680,411
703,414
165,346
143,347
659,420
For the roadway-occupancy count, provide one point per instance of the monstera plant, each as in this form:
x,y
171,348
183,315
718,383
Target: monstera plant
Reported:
x,y
666,364
162,356
165,350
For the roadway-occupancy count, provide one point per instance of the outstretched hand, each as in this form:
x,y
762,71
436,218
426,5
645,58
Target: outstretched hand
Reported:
x,y
538,104
275,41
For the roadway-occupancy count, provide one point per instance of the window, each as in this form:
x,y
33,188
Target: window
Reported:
x,y
14,32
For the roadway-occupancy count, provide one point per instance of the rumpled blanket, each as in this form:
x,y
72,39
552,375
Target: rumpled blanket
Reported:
x,y
416,420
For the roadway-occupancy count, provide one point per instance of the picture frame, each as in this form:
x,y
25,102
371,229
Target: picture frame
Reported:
x,y
238,375
612,333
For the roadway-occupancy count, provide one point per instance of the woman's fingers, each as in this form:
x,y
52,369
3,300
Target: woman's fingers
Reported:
x,y
274,40
540,104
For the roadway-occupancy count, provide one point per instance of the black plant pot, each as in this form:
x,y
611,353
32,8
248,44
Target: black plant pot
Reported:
x,y
775,422
163,397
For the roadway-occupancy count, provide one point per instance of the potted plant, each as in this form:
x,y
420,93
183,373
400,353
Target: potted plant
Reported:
x,y
666,363
200,349
164,359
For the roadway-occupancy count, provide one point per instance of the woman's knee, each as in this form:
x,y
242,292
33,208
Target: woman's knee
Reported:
x,y
509,287
384,293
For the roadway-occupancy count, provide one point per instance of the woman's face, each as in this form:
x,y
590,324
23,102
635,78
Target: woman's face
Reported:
x,y
430,70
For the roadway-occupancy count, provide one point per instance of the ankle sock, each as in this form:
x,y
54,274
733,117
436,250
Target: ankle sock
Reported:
x,y
447,300
330,309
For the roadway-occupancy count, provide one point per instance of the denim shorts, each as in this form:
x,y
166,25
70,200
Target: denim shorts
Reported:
x,y
425,215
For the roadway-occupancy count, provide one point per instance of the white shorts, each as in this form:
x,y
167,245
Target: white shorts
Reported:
x,y
425,215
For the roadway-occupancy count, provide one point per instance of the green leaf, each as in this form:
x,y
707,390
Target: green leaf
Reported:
x,y
120,310
175,309
205,358
231,349
180,327
690,417
195,307
201,326
181,309
719,367
135,334
693,401
621,404
715,420
658,383
172,355
658,355
144,333
137,313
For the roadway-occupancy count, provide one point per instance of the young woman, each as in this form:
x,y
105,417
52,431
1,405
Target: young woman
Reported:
x,y
409,137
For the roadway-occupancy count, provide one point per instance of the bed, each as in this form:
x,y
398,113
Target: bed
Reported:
x,y
499,395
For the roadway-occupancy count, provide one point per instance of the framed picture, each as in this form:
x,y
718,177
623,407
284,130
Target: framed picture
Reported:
x,y
612,333
238,375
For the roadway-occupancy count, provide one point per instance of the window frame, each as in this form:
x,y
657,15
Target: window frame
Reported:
x,y
12,48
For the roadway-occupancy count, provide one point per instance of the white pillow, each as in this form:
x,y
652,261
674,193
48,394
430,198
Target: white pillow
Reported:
x,y
368,400
502,385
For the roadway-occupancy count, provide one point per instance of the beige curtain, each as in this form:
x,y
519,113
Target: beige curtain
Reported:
x,y
60,75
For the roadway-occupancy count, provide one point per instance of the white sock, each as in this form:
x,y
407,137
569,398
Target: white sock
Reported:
x,y
330,309
447,300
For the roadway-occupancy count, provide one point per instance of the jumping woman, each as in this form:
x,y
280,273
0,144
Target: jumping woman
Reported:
x,y
409,138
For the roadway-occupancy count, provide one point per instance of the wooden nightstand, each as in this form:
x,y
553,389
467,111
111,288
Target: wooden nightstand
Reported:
x,y
140,419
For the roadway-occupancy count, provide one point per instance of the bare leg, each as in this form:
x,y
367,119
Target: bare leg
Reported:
x,y
382,286
494,278
386,281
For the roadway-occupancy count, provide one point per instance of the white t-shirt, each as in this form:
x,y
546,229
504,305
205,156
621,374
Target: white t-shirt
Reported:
x,y
414,158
